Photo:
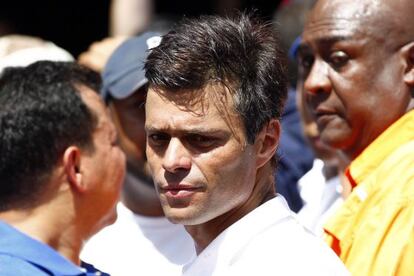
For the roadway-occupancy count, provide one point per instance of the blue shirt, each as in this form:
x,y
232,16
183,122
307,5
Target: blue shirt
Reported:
x,y
21,255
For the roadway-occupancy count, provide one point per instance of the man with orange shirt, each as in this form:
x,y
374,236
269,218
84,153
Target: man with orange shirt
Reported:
x,y
357,64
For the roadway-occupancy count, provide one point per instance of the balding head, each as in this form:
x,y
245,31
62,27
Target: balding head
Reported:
x,y
386,24
389,21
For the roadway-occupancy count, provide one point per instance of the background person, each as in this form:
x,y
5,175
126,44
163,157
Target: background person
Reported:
x,y
294,154
323,188
142,240
22,50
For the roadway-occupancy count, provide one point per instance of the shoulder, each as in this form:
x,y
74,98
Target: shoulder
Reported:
x,y
288,249
12,266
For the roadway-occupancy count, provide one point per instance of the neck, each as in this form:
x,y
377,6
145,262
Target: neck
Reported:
x,y
140,196
203,234
36,223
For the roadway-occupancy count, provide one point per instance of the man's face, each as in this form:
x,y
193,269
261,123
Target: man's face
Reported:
x,y
129,117
310,129
201,164
352,75
105,166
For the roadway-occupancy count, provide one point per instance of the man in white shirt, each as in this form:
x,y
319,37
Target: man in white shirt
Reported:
x,y
216,92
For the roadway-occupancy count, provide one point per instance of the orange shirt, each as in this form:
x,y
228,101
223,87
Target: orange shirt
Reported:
x,y
373,232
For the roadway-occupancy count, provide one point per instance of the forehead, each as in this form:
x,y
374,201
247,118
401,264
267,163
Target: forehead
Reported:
x,y
97,106
91,99
342,19
136,100
210,107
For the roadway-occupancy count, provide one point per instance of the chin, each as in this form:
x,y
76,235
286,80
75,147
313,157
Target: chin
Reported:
x,y
336,139
184,216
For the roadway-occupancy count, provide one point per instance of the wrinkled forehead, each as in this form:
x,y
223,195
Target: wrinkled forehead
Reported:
x,y
344,18
200,100
345,9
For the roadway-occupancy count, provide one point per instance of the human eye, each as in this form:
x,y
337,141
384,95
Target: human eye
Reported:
x,y
338,58
305,61
140,105
158,139
201,141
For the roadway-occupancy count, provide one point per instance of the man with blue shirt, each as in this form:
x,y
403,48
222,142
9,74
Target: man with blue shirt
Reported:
x,y
61,169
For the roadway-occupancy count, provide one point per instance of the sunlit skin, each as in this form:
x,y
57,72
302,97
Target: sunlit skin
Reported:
x,y
205,172
82,190
105,166
355,70
334,161
310,129
138,192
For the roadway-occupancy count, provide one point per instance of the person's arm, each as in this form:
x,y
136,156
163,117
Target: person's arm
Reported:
x,y
129,17
99,52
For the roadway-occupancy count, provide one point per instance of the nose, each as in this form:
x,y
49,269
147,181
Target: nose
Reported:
x,y
317,81
176,157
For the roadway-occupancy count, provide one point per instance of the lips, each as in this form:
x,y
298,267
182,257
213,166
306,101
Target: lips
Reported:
x,y
322,111
324,116
180,190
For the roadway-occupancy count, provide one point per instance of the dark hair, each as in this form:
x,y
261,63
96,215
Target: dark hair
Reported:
x,y
240,52
41,114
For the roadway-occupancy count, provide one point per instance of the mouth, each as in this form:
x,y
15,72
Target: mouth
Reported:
x,y
322,111
323,116
180,190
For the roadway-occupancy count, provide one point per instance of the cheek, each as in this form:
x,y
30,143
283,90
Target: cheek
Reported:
x,y
231,167
121,161
137,138
153,161
349,97
133,144
115,166
134,129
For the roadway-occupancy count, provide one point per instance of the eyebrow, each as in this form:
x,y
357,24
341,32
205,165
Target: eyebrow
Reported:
x,y
304,46
197,130
333,39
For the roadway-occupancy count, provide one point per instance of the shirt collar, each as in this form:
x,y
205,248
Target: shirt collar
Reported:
x,y
399,133
269,213
236,236
15,243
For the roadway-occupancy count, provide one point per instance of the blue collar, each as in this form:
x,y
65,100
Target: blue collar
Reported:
x,y
17,244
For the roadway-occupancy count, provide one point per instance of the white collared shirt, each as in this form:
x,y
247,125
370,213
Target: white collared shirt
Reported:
x,y
267,241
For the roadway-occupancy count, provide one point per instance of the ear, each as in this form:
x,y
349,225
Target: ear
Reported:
x,y
267,141
71,165
408,54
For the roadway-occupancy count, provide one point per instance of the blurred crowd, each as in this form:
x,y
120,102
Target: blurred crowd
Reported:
x,y
276,142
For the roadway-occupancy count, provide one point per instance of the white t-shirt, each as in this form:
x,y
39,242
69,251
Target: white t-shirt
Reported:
x,y
267,241
138,245
322,198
